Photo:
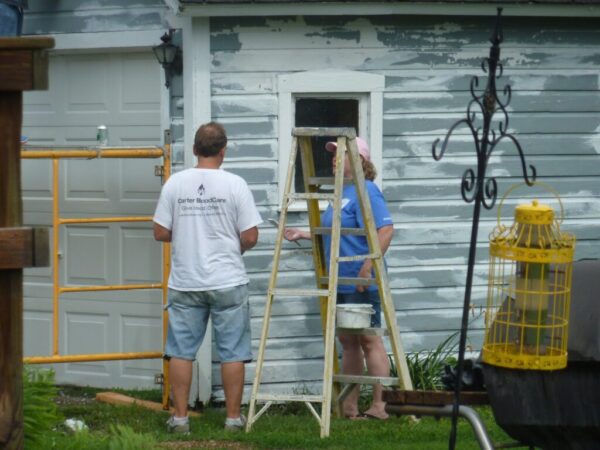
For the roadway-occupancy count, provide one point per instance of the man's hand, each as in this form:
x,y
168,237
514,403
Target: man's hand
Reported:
x,y
248,239
161,233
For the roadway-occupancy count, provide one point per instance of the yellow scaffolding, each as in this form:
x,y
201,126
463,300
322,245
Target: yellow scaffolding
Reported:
x,y
97,153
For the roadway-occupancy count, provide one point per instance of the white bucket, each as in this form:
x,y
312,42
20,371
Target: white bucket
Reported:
x,y
354,315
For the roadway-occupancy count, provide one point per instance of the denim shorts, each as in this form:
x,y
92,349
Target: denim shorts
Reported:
x,y
368,297
189,312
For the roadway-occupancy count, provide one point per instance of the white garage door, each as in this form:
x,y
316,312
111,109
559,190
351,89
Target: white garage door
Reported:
x,y
121,91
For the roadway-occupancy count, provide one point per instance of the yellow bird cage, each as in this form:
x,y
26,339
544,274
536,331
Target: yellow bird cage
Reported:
x,y
529,291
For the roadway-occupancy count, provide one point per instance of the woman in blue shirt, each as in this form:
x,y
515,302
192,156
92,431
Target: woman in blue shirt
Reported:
x,y
358,349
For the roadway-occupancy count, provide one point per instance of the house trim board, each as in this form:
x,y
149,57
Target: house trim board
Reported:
x,y
386,8
197,110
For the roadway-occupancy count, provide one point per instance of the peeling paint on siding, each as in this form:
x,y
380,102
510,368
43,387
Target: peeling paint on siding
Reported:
x,y
225,41
332,33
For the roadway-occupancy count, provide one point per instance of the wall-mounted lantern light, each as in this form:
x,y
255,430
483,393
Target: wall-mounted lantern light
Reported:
x,y
169,57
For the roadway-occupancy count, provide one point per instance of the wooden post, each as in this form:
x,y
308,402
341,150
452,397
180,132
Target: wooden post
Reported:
x,y
23,66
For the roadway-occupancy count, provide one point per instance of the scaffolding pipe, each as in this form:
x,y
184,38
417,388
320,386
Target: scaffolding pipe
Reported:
x,y
91,153
108,152
55,256
446,411
166,271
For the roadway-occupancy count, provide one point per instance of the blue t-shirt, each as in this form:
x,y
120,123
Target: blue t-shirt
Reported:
x,y
351,245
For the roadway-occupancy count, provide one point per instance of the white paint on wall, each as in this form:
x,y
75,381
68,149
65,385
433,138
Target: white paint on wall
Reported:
x,y
108,40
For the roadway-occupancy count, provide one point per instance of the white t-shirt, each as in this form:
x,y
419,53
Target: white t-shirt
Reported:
x,y
206,211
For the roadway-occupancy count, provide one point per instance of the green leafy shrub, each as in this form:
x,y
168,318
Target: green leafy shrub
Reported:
x,y
40,414
427,366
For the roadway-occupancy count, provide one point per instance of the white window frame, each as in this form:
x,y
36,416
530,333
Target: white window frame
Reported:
x,y
366,87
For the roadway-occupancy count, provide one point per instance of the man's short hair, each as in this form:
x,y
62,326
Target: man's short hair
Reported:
x,y
210,139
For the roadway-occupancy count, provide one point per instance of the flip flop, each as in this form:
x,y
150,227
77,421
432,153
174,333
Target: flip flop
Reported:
x,y
372,417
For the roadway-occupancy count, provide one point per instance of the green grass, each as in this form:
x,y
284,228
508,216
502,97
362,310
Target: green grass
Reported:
x,y
278,429
40,413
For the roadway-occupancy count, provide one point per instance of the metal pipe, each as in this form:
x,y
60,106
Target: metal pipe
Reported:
x,y
120,287
55,256
114,152
446,411
104,220
91,357
165,277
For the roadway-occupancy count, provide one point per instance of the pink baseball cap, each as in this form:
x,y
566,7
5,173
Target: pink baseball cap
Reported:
x,y
363,148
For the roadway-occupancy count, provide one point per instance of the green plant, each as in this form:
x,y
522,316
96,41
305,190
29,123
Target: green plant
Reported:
x,y
426,367
40,414
119,437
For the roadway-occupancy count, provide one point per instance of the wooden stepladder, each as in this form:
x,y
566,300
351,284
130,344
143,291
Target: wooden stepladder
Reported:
x,y
327,280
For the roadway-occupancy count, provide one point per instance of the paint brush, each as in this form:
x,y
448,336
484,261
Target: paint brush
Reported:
x,y
276,225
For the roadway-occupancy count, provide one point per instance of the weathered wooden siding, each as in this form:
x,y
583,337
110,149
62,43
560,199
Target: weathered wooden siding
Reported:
x,y
93,16
553,67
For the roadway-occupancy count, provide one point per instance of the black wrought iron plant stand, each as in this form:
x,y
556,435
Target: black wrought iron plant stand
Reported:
x,y
475,187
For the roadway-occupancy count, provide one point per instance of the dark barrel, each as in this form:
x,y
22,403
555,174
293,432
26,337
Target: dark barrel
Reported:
x,y
558,409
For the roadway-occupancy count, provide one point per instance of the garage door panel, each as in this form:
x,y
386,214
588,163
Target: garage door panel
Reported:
x,y
138,181
141,256
38,104
36,176
86,333
43,107
87,181
140,333
135,135
86,256
136,81
41,134
38,340
121,91
89,84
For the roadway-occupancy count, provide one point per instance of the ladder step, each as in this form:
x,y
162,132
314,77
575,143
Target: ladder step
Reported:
x,y
289,398
350,133
311,196
326,181
362,331
354,281
321,181
352,231
365,379
359,257
300,292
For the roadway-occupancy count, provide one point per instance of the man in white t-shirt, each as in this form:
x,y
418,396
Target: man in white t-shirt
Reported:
x,y
210,218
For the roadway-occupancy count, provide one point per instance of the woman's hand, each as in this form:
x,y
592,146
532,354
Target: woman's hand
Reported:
x,y
384,235
365,272
295,234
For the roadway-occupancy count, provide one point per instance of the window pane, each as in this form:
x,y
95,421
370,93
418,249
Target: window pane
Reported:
x,y
323,112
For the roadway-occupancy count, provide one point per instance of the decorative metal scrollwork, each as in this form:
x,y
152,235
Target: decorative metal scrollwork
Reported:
x,y
487,105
